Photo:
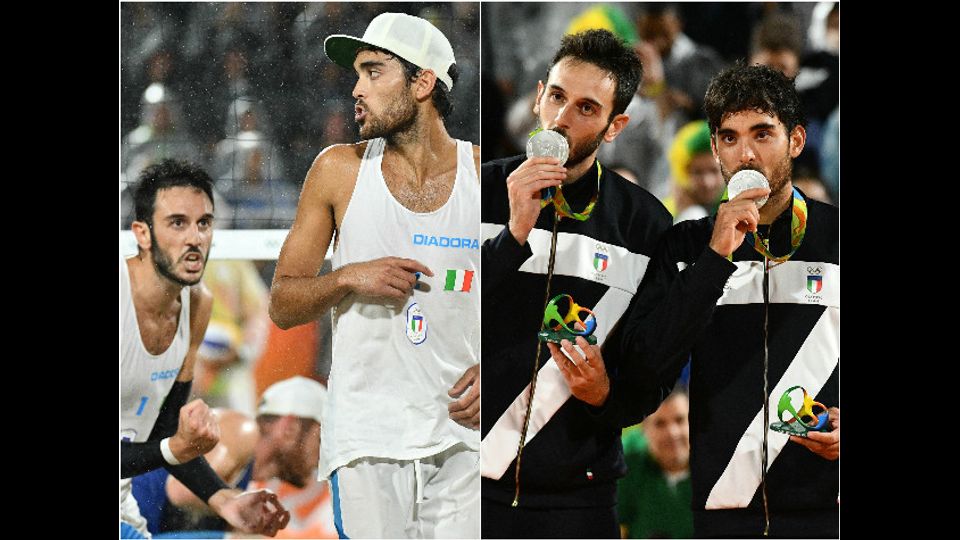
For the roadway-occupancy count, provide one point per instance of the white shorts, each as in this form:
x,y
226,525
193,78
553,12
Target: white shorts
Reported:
x,y
433,497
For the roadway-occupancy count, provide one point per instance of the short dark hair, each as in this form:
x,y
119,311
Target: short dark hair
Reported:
x,y
441,94
753,88
778,32
166,174
609,53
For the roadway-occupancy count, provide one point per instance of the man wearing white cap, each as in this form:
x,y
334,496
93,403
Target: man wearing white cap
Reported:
x,y
400,440
283,443
289,419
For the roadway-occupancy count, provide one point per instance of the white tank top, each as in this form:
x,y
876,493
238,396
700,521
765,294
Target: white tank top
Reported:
x,y
393,363
145,379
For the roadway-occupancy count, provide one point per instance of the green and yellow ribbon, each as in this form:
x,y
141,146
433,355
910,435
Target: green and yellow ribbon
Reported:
x,y
562,207
798,228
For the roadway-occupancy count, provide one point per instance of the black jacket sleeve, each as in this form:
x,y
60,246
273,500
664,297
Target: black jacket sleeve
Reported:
x,y
674,307
631,399
502,256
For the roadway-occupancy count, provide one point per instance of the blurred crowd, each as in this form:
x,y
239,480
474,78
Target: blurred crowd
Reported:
x,y
245,90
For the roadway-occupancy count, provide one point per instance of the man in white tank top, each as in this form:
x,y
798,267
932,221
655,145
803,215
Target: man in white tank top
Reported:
x,y
399,436
164,310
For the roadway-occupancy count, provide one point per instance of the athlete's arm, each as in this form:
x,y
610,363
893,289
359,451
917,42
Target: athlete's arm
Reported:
x,y
466,410
257,512
189,429
229,459
298,294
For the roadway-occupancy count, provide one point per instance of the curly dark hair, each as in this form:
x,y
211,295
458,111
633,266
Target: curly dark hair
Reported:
x,y
609,53
440,95
753,88
165,174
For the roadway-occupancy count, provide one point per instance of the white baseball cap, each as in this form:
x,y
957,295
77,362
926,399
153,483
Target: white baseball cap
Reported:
x,y
411,38
298,396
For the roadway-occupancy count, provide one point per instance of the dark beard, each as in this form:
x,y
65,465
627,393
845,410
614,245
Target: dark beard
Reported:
x,y
400,116
288,475
287,463
581,152
164,265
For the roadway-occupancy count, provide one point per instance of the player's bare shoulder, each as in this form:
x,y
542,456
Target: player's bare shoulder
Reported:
x,y
332,178
333,175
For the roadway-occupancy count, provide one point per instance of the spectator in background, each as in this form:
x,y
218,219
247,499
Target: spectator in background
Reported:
x,y
246,153
235,336
697,182
161,134
778,42
687,66
654,497
830,155
249,170
808,181
269,50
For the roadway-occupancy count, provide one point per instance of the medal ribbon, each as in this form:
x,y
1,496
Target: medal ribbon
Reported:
x,y
561,205
798,228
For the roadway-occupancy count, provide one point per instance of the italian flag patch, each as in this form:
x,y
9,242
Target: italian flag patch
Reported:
x,y
458,280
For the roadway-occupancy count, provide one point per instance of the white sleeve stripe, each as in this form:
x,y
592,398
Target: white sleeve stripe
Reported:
x,y
583,257
791,282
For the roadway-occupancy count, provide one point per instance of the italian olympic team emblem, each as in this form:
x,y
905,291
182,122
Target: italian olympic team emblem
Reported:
x,y
814,279
416,324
